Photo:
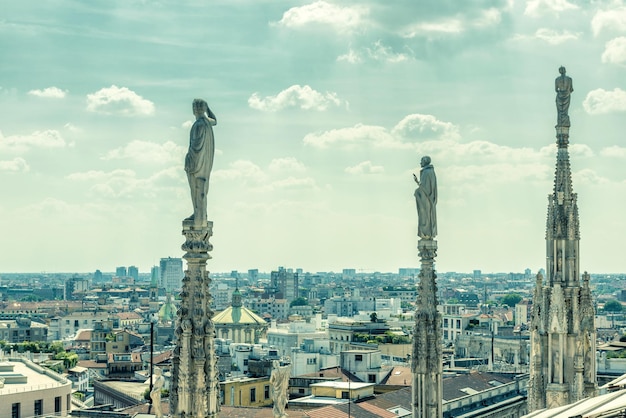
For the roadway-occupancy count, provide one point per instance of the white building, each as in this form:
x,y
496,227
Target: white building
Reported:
x,y
171,273
287,336
30,390
68,325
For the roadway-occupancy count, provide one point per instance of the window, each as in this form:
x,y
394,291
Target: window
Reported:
x,y
38,407
371,378
267,391
358,357
76,325
345,395
15,410
300,390
57,404
252,395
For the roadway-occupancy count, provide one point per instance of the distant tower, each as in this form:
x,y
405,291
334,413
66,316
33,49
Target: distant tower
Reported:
x,y
563,333
426,363
133,272
121,271
171,273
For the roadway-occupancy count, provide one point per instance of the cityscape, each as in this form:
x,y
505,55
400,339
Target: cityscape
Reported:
x,y
361,194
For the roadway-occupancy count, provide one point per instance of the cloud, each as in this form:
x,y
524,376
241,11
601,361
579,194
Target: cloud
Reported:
x,y
296,96
555,38
38,139
540,7
615,51
418,125
489,17
15,165
49,92
148,152
588,176
378,52
414,127
365,167
350,137
450,26
289,164
614,19
601,101
342,19
124,183
241,169
613,151
119,101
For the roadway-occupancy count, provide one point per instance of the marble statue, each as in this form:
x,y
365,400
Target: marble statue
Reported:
x,y
426,200
155,394
564,88
199,159
279,379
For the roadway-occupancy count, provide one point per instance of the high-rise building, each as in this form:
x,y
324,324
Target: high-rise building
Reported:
x,y
171,273
563,333
121,271
285,284
133,272
75,284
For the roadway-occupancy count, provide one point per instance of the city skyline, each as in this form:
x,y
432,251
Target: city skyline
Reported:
x,y
324,109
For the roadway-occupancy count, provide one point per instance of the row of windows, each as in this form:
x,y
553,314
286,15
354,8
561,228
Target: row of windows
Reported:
x,y
16,408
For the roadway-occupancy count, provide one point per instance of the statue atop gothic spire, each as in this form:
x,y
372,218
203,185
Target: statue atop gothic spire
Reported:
x,y
564,88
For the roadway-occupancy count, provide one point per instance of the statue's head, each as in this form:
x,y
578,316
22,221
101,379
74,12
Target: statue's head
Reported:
x,y
562,70
199,107
425,161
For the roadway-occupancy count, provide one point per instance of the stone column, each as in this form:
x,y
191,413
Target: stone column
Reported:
x,y
195,387
426,363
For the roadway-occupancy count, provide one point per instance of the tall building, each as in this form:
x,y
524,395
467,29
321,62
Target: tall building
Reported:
x,y
563,334
171,273
121,271
285,284
133,272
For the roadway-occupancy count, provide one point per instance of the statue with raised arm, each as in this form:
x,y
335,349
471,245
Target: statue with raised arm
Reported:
x,y
155,394
564,88
199,159
279,379
426,200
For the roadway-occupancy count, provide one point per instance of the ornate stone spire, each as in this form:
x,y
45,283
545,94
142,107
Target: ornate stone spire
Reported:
x,y
562,325
426,363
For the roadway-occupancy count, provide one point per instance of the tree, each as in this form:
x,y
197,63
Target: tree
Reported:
x,y
613,306
511,299
374,317
299,302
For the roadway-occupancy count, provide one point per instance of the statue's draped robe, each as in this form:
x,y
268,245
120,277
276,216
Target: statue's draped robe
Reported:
x,y
426,201
563,87
199,160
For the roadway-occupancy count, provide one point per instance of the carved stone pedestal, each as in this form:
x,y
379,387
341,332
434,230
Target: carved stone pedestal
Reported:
x,y
426,363
195,387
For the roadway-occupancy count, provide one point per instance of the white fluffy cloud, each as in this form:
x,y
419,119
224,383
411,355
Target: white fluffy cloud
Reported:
x,y
38,139
49,92
148,152
15,165
451,26
119,101
601,101
613,151
377,52
365,167
124,183
554,37
425,126
540,7
612,19
289,164
296,96
615,51
414,127
340,18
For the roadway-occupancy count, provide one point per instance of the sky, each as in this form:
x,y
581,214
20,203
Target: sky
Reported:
x,y
324,109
